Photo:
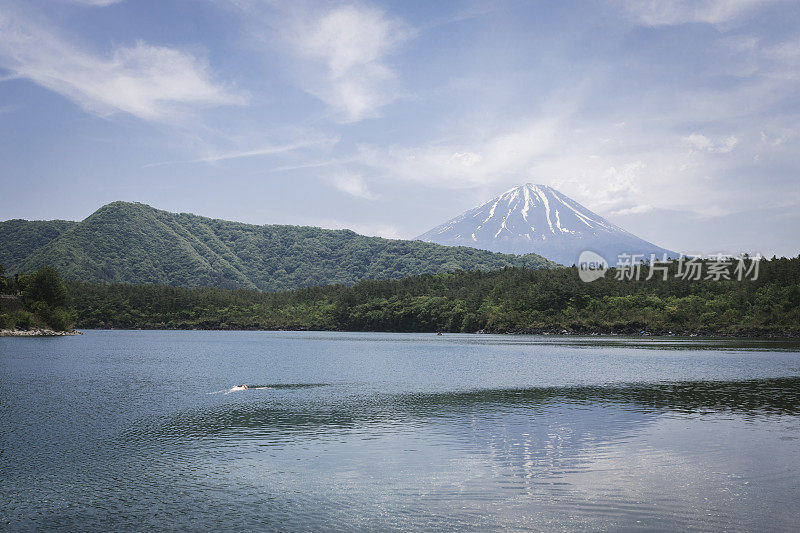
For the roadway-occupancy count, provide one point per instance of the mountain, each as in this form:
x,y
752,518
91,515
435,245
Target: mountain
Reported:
x,y
539,219
20,238
135,243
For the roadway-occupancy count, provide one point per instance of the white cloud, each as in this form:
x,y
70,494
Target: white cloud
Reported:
x,y
337,53
635,210
783,60
466,159
149,82
352,184
702,143
620,188
347,49
776,140
98,3
788,51
671,12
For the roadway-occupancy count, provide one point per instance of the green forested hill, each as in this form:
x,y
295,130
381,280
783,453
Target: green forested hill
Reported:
x,y
135,243
20,238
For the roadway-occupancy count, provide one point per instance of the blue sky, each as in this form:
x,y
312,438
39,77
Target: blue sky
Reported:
x,y
675,119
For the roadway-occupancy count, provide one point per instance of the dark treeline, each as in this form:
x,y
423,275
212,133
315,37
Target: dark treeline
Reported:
x,y
35,300
508,300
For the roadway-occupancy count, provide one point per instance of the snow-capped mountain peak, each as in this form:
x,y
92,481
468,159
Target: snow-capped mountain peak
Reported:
x,y
534,218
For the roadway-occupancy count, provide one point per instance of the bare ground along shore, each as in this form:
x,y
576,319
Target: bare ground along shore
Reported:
x,y
36,333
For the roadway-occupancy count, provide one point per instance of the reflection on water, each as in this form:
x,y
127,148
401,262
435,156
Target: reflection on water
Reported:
x,y
653,343
281,417
118,432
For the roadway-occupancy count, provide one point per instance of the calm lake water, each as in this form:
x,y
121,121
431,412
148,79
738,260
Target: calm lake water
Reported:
x,y
125,430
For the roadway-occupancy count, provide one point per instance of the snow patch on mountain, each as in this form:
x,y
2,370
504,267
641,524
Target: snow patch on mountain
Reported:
x,y
538,219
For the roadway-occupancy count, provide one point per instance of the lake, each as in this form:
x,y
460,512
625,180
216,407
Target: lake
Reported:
x,y
134,430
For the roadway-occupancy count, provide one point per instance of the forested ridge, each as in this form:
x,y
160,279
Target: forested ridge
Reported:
x,y
508,300
19,238
134,243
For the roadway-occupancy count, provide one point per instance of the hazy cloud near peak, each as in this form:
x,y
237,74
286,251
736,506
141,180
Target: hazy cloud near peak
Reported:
x,y
477,160
387,231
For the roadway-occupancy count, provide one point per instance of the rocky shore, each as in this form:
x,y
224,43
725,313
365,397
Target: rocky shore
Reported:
x,y
36,333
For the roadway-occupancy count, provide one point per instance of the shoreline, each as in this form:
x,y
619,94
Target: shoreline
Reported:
x,y
37,332
546,333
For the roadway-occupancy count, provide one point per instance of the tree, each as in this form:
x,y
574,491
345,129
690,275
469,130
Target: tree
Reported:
x,y
46,286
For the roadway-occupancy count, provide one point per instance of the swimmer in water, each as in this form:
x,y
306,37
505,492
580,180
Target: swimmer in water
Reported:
x,y
236,388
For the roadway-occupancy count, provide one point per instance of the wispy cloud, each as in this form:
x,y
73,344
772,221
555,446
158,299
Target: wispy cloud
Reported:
x,y
670,12
323,163
350,44
338,54
154,83
97,3
240,154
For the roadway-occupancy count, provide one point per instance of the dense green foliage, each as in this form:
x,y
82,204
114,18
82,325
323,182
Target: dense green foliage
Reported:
x,y
20,238
134,243
508,300
34,301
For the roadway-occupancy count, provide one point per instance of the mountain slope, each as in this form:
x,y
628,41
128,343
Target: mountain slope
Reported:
x,y
539,219
135,243
20,238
